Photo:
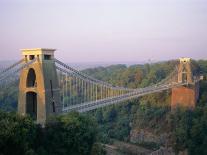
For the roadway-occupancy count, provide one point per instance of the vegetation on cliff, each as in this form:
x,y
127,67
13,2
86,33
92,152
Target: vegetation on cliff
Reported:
x,y
185,129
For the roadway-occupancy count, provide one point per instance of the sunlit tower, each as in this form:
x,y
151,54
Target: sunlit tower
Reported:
x,y
39,94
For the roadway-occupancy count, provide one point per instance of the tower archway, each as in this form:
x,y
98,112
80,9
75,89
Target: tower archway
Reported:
x,y
31,104
31,78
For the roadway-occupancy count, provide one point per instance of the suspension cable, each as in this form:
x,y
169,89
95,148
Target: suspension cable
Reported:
x,y
17,70
12,66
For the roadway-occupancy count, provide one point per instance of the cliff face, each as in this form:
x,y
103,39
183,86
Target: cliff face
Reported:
x,y
163,151
123,148
143,136
162,140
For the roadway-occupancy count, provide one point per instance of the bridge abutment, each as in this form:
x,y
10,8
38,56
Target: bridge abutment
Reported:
x,y
185,96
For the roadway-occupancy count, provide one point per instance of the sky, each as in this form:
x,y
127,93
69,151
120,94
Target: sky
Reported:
x,y
105,30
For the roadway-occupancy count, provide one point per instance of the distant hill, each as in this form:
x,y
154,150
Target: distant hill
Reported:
x,y
78,65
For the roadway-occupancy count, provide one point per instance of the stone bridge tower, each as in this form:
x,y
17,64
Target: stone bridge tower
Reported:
x,y
185,96
38,88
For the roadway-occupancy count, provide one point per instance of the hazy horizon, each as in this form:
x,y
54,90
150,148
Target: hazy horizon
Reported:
x,y
83,65
89,65
105,30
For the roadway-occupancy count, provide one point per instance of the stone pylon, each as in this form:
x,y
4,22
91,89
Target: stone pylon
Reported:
x,y
39,93
185,96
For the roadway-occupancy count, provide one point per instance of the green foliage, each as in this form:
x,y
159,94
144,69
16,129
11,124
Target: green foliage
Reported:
x,y
190,130
16,134
187,128
75,134
111,126
8,98
202,66
72,134
97,149
190,127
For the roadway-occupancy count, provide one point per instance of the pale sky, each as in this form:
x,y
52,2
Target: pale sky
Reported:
x,y
105,30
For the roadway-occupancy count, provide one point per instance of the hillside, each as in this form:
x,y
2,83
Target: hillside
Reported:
x,y
148,121
145,122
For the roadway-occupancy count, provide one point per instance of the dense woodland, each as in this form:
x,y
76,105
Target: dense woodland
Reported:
x,y
73,134
187,130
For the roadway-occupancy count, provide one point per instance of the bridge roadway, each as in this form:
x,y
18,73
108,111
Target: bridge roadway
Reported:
x,y
84,107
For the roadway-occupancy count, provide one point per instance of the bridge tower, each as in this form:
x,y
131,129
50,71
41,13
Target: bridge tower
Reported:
x,y
39,94
185,96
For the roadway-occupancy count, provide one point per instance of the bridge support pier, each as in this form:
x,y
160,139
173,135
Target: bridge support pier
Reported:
x,y
39,94
185,96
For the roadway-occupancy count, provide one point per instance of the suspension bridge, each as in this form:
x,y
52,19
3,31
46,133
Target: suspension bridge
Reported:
x,y
48,86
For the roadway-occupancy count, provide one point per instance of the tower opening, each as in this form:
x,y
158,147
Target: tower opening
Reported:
x,y
47,57
31,104
53,106
184,78
31,57
31,78
184,74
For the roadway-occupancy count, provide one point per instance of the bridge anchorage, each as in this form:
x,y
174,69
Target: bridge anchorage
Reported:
x,y
49,87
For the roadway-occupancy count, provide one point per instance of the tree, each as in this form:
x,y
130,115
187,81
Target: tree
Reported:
x,y
17,134
72,134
